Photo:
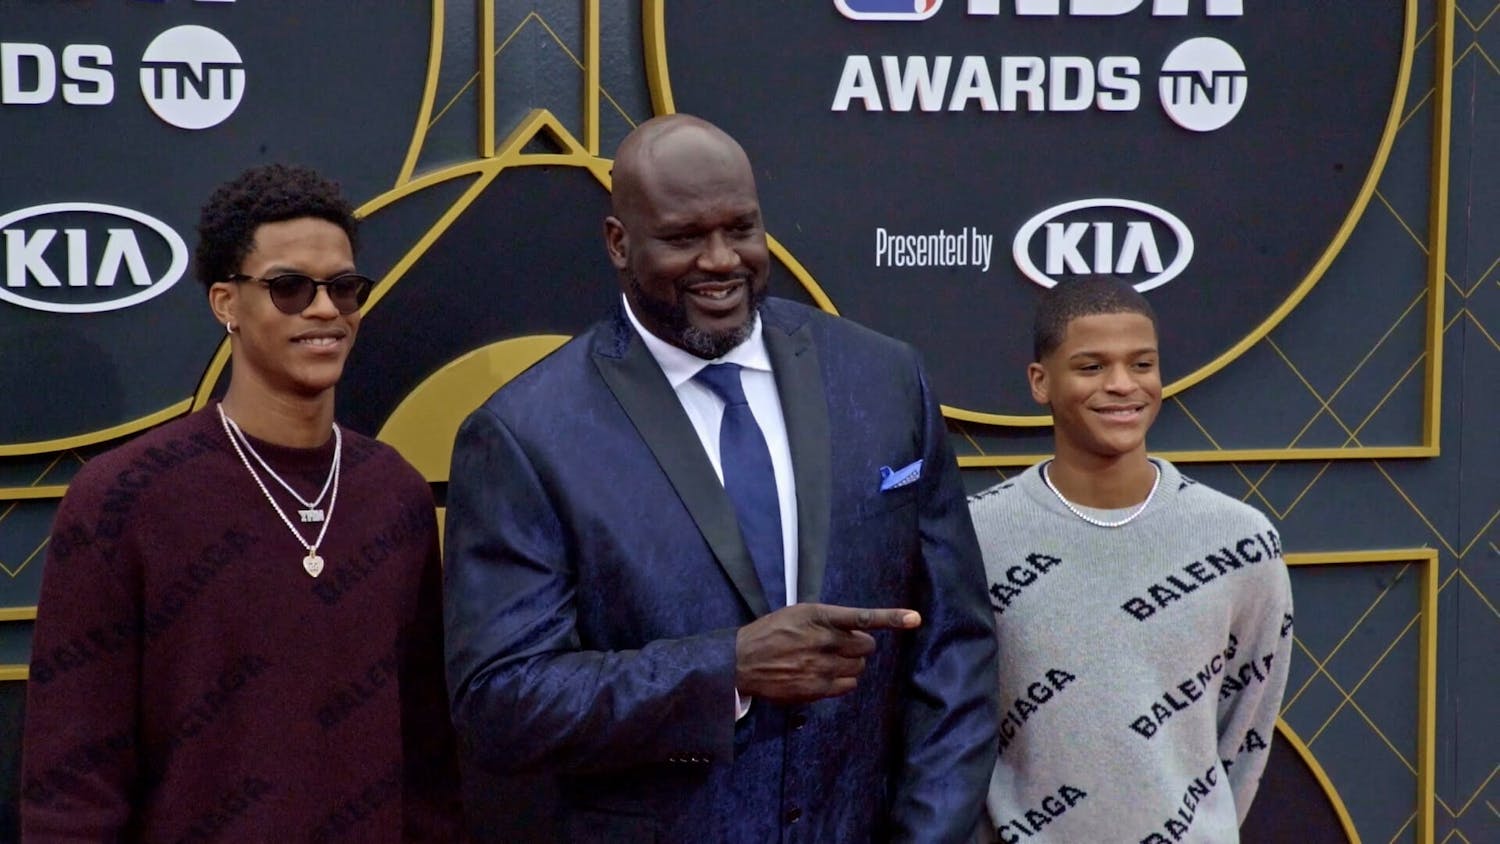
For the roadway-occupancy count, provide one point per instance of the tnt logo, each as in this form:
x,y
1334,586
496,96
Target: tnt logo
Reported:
x,y
1203,84
192,77
888,10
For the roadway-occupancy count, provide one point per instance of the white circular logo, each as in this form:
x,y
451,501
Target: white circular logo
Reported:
x,y
1203,84
192,77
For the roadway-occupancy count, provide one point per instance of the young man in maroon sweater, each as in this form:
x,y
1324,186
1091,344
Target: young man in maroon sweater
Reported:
x,y
239,630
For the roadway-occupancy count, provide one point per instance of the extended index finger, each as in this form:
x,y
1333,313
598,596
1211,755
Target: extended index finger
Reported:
x,y
862,618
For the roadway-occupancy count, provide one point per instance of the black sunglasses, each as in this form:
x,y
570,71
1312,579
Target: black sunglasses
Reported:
x,y
291,293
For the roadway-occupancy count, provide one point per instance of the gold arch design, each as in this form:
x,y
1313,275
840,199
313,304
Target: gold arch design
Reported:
x,y
424,424
429,94
103,435
537,123
1426,559
663,102
1329,790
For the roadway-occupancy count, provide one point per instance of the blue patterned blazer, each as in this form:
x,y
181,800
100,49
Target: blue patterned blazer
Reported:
x,y
595,578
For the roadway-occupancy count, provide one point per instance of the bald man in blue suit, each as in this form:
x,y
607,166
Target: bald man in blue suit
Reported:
x,y
698,643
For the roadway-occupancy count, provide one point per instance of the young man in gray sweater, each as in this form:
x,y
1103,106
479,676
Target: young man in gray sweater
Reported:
x,y
1145,620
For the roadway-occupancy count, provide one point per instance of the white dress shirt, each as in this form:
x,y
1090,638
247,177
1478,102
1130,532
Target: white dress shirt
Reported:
x,y
705,409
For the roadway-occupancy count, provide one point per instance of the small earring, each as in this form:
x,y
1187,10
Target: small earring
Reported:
x,y
228,328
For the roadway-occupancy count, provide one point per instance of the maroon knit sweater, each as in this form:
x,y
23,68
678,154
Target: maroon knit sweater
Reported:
x,y
191,682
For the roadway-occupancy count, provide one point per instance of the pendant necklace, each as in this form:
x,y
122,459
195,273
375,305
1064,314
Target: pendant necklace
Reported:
x,y
1098,522
312,510
312,563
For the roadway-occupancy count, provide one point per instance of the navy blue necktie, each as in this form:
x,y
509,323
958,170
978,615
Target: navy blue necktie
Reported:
x,y
749,479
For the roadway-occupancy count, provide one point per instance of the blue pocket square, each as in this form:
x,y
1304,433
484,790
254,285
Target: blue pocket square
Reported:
x,y
893,478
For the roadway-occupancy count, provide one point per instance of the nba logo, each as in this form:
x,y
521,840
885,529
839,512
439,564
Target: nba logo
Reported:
x,y
888,10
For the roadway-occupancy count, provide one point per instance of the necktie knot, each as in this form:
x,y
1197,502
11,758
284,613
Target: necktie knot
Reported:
x,y
724,380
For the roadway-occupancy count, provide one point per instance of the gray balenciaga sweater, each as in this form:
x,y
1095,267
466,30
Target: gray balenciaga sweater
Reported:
x,y
1141,666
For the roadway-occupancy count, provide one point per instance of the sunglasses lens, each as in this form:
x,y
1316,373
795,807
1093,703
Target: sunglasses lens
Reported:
x,y
291,293
349,292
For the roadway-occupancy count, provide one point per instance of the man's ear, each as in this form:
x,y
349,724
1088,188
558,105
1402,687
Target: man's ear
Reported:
x,y
1036,376
223,300
616,242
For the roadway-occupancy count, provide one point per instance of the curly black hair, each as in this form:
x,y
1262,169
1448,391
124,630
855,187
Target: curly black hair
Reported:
x,y
266,194
1074,298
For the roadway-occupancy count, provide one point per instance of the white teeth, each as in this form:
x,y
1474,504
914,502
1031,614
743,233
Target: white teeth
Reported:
x,y
319,341
714,294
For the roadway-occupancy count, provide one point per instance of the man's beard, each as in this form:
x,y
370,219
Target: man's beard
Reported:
x,y
672,317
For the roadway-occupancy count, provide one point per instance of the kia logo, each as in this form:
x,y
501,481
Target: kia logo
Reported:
x,y
84,257
1106,242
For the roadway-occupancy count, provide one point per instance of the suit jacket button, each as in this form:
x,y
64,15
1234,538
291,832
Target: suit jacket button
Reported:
x,y
793,814
798,721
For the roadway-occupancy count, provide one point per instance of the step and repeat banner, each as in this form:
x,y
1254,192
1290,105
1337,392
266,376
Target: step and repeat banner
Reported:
x,y
927,167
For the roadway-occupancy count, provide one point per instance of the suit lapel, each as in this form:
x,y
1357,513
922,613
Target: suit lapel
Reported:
x,y
799,384
642,390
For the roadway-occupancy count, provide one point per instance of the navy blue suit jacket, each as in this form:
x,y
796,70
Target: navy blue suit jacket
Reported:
x,y
595,579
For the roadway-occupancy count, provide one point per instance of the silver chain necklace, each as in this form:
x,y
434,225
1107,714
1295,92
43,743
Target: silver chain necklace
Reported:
x,y
312,563
311,511
1098,522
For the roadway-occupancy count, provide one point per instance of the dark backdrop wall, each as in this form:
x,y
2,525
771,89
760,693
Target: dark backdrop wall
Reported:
x,y
1306,194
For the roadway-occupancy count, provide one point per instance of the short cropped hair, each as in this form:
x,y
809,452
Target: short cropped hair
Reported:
x,y
270,193
1089,296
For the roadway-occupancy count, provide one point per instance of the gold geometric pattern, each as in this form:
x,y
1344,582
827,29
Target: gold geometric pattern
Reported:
x,y
39,488
13,570
1421,764
11,498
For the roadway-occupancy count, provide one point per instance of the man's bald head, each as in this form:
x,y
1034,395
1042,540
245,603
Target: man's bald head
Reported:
x,y
667,145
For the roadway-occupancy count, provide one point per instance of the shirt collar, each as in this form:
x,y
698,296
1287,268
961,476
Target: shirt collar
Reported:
x,y
680,366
